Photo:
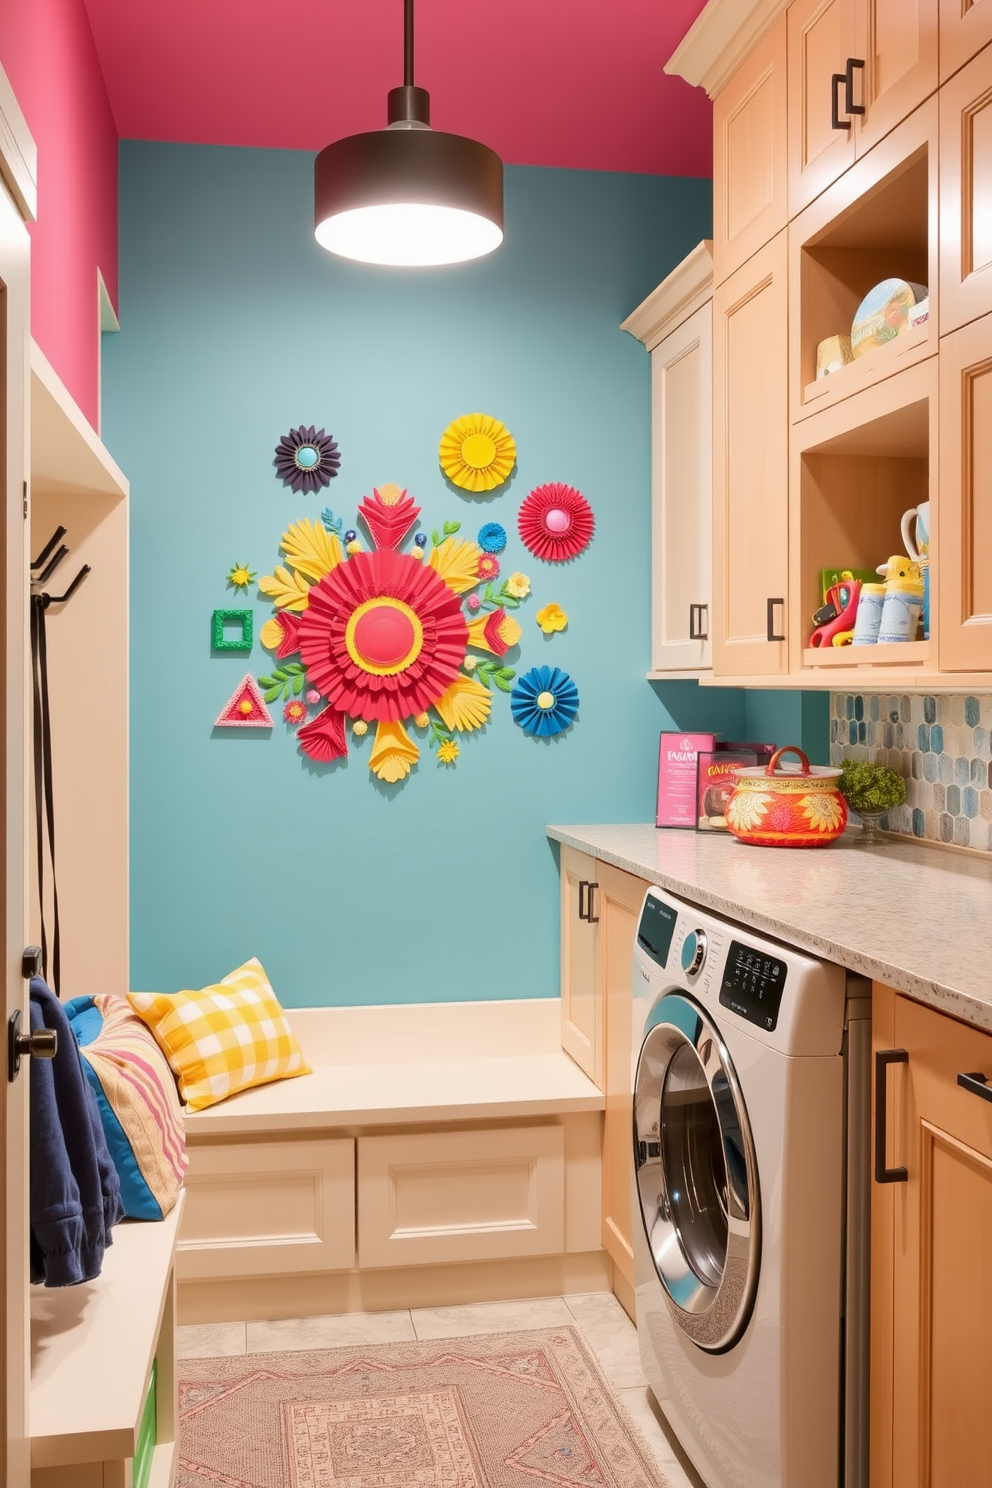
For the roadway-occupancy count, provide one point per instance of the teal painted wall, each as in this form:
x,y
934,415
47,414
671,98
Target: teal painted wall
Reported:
x,y
235,327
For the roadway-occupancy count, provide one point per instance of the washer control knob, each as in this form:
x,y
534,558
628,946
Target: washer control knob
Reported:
x,y
693,952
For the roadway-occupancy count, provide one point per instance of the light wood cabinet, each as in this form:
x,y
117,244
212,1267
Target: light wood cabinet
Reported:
x,y
965,27
750,161
675,323
821,36
966,194
932,1288
620,898
614,902
857,68
750,466
582,1034
963,537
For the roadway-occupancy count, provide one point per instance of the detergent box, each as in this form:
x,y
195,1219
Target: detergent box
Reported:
x,y
677,756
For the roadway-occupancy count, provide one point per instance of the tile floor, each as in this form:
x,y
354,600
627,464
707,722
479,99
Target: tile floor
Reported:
x,y
603,1323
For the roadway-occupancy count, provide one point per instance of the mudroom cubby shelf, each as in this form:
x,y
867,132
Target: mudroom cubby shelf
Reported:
x,y
76,484
877,222
93,1348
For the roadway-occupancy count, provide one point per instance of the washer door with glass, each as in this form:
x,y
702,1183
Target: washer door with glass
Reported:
x,y
696,1174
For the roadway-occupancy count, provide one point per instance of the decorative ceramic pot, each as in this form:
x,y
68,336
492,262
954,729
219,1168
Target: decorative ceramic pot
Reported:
x,y
788,807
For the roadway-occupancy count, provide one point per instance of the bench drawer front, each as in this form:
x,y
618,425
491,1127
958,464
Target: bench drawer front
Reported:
x,y
461,1196
265,1208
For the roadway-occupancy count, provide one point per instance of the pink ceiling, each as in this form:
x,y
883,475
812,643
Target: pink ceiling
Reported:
x,y
575,83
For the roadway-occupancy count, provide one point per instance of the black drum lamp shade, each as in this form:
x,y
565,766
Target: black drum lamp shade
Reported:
x,y
408,194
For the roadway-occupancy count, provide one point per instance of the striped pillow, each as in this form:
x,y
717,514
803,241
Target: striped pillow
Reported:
x,y
137,1099
224,1038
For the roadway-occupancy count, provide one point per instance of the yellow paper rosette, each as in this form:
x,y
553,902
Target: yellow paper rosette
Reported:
x,y
477,452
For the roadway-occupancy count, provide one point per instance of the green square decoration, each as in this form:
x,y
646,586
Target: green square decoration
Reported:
x,y
242,640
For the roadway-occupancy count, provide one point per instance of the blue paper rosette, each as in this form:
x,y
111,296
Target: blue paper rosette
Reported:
x,y
544,701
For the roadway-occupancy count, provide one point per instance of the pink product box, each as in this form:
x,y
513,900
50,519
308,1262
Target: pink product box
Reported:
x,y
677,757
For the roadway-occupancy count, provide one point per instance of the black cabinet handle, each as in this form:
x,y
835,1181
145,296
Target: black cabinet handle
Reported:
x,y
592,918
883,1058
836,122
850,106
698,626
583,900
770,619
977,1083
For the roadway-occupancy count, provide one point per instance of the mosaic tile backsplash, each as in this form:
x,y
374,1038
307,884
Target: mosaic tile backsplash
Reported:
x,y
942,745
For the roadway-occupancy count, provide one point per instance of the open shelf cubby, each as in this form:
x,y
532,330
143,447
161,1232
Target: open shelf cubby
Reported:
x,y
878,222
855,482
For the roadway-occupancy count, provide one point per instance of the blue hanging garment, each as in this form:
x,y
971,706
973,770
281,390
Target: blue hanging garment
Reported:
x,y
75,1191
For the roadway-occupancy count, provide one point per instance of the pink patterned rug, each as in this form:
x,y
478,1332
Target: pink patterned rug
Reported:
x,y
505,1410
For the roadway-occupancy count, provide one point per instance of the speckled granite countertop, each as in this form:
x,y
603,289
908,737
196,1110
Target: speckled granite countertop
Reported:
x,y
916,917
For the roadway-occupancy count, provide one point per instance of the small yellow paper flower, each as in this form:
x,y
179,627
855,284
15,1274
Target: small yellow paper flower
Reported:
x,y
359,727
353,547
551,618
421,720
240,576
447,753
518,585
470,663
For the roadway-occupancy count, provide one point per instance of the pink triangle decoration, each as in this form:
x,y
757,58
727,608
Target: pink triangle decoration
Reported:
x,y
244,708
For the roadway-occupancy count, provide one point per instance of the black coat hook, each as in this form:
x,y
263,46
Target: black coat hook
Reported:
x,y
61,598
50,568
56,536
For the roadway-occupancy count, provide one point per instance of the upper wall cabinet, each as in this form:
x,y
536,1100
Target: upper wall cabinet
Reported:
x,y
856,69
750,167
965,27
750,466
675,323
966,193
964,513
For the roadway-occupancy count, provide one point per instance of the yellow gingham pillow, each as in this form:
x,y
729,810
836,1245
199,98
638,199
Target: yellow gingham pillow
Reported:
x,y
224,1038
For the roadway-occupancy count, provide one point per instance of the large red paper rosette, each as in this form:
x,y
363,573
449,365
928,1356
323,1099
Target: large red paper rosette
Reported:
x,y
382,636
555,522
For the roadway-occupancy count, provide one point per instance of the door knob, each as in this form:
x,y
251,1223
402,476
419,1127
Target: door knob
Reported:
x,y
42,1043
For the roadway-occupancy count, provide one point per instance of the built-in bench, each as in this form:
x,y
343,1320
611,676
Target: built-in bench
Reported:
x,y
438,1153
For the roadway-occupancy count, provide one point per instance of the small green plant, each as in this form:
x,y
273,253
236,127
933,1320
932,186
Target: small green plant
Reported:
x,y
868,787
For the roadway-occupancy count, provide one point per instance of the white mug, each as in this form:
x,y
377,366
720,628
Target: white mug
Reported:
x,y
921,547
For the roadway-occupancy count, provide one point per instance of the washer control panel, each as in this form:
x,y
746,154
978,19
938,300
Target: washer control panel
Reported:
x,y
752,984
693,952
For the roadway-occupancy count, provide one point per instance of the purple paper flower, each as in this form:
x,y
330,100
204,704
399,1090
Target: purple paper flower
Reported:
x,y
306,459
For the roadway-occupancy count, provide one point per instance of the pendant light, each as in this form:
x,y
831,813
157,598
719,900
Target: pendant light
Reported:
x,y
408,194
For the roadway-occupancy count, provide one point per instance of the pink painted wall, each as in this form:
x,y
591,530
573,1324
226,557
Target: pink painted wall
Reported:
x,y
47,52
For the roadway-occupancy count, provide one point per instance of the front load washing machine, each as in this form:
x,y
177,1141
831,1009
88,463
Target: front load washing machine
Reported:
x,y
751,1081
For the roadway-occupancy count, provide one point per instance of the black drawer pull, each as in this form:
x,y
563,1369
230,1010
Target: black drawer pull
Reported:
x,y
977,1083
883,1058
770,619
698,625
836,122
592,918
583,901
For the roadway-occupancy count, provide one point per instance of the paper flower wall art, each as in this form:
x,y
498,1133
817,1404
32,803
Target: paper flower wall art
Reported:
x,y
544,701
551,619
477,452
382,637
555,522
307,459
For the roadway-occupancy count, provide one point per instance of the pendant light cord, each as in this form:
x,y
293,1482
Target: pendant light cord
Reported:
x,y
408,43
